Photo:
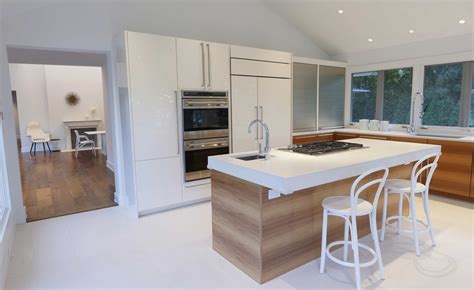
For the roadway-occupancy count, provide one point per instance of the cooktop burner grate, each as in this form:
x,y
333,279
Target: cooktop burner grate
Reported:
x,y
323,147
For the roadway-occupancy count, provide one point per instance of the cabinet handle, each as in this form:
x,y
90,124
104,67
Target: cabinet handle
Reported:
x,y
203,69
177,120
208,65
256,117
261,118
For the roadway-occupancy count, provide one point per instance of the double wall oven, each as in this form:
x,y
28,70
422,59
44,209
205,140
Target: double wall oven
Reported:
x,y
205,130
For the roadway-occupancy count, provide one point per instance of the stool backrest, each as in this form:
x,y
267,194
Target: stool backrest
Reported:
x,y
356,190
429,162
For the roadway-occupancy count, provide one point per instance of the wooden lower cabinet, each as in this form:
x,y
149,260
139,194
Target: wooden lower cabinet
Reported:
x,y
312,138
342,136
454,175
454,172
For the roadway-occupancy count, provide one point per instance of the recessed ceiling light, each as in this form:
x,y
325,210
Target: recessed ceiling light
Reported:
x,y
462,21
411,31
370,40
340,11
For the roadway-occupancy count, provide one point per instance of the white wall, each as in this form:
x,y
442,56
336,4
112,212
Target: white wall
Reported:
x,y
29,83
46,23
41,91
86,82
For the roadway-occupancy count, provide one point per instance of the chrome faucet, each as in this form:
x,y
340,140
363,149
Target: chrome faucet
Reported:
x,y
267,137
411,127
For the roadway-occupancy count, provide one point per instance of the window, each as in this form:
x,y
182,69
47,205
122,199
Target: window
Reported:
x,y
442,94
364,91
471,118
382,95
397,95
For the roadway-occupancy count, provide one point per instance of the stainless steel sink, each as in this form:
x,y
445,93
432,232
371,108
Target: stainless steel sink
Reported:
x,y
250,157
437,135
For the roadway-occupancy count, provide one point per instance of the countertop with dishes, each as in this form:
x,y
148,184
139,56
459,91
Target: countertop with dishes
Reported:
x,y
286,172
469,137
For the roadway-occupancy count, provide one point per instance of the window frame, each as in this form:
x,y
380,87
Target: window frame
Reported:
x,y
380,93
418,65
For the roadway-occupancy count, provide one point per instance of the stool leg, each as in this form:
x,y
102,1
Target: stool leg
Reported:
x,y
346,238
44,148
373,229
428,217
31,148
413,219
384,213
323,242
400,212
49,148
355,248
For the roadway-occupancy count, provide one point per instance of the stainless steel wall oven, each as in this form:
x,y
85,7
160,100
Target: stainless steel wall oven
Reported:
x,y
205,130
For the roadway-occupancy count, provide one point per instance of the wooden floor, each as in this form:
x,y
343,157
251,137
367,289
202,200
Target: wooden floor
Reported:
x,y
56,184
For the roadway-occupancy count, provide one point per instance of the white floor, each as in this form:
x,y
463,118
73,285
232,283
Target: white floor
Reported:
x,y
107,249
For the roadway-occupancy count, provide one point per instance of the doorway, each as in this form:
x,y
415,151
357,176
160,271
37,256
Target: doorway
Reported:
x,y
63,124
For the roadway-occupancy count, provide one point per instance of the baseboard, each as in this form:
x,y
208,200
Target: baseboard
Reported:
x,y
110,165
174,206
120,200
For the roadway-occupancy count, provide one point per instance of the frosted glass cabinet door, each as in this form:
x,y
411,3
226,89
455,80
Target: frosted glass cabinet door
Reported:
x,y
331,96
153,86
244,111
274,101
305,85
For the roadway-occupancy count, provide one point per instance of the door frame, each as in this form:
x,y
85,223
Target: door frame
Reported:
x,y
111,114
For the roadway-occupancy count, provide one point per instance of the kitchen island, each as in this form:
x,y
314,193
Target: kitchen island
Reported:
x,y
267,214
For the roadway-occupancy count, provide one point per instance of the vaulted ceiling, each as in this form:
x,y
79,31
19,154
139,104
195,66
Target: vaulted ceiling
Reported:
x,y
386,22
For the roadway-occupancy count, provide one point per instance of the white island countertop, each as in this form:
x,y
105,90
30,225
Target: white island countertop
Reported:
x,y
287,172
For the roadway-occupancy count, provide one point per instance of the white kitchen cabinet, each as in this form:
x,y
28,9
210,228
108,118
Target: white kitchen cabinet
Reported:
x,y
274,101
153,87
203,65
244,111
158,183
266,98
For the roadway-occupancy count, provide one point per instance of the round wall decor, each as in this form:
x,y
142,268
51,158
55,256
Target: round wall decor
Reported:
x,y
72,99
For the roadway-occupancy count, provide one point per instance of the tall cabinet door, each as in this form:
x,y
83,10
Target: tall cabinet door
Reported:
x,y
192,66
218,62
153,86
244,111
274,101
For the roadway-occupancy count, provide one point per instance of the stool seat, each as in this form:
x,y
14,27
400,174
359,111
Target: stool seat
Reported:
x,y
342,205
403,185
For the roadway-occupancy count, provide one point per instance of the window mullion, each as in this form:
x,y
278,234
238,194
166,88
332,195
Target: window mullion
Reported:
x,y
379,95
466,88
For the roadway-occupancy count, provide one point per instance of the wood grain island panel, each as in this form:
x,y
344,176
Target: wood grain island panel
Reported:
x,y
267,238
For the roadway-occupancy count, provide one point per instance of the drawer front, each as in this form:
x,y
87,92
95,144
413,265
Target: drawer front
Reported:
x,y
260,68
312,138
377,137
342,136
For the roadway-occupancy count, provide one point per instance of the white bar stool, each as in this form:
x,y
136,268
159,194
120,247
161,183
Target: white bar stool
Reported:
x,y
350,207
408,189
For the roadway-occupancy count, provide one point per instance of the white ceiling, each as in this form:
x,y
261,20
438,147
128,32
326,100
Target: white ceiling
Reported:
x,y
386,22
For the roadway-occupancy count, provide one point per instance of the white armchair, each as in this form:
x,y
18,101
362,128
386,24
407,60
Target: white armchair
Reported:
x,y
83,141
37,135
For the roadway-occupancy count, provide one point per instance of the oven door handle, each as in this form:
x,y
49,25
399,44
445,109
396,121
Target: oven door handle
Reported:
x,y
203,146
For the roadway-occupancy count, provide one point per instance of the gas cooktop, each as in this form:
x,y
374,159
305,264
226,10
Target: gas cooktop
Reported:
x,y
322,147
